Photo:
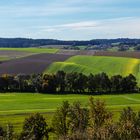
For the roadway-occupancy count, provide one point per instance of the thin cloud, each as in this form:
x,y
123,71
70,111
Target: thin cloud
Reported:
x,y
85,25
111,28
70,19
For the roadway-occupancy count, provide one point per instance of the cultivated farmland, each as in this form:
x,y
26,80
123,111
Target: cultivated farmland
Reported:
x,y
30,50
15,107
76,52
7,54
14,53
131,54
32,64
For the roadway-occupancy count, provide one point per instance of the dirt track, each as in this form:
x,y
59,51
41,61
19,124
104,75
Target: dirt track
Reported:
x,y
31,64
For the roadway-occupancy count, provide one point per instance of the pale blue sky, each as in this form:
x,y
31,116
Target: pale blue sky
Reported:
x,y
70,19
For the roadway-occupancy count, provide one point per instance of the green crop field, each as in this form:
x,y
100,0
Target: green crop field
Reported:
x,y
32,50
4,58
15,107
98,64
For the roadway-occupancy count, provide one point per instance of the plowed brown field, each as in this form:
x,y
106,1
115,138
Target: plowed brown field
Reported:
x,y
118,54
31,64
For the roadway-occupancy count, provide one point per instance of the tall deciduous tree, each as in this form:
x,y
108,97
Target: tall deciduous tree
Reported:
x,y
60,78
99,118
126,128
116,81
60,122
78,117
91,83
49,83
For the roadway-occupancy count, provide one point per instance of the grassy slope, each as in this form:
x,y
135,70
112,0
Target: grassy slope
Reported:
x,y
97,64
15,107
31,50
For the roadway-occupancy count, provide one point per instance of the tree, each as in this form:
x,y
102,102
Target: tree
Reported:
x,y
127,121
70,77
2,133
99,120
91,83
137,48
78,123
22,80
105,82
10,132
70,122
12,83
60,121
3,84
76,82
36,82
129,83
137,126
81,82
97,79
98,113
34,127
49,83
116,82
60,78
123,48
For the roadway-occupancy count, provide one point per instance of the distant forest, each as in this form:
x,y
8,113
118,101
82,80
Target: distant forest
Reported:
x,y
24,42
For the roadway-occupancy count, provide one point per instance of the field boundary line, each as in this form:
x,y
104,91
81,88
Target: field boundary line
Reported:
x,y
132,99
27,110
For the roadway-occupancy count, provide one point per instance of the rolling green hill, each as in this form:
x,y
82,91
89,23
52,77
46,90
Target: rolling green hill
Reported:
x,y
98,64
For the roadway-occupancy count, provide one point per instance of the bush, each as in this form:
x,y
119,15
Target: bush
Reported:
x,y
34,128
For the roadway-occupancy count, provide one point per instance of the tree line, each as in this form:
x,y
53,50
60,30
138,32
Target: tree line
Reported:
x,y
74,122
74,82
28,42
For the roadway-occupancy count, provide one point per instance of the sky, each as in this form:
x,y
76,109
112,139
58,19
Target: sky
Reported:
x,y
70,19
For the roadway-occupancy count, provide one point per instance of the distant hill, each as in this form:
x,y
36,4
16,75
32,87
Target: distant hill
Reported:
x,y
25,42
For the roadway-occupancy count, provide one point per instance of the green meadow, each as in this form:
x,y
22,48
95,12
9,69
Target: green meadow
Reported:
x,y
4,58
98,64
16,106
31,50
